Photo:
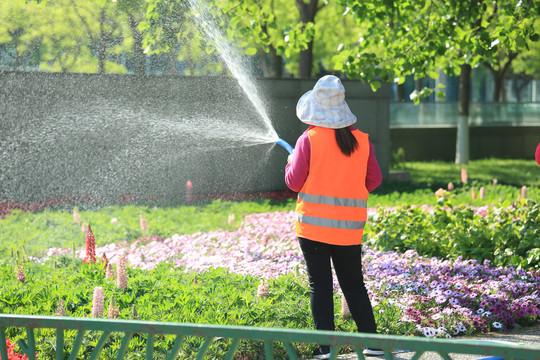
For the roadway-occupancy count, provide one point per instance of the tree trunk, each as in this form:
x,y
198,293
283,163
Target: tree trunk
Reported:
x,y
276,63
400,93
525,80
462,139
497,85
305,60
101,43
16,35
419,87
138,53
499,76
173,67
420,84
275,70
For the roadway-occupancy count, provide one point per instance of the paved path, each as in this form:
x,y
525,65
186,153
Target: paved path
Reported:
x,y
524,336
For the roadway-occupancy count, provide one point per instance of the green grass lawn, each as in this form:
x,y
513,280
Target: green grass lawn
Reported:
x,y
506,171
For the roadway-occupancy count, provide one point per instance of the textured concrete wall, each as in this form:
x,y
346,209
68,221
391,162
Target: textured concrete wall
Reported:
x,y
108,135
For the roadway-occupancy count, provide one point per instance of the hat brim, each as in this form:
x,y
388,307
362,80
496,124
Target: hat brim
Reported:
x,y
311,112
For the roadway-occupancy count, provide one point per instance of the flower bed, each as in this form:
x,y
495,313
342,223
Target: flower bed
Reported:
x,y
440,297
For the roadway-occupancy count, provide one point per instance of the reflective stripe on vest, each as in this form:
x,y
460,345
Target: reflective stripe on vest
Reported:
x,y
330,200
331,223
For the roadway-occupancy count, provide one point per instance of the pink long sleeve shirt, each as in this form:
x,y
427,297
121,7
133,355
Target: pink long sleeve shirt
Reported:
x,y
296,171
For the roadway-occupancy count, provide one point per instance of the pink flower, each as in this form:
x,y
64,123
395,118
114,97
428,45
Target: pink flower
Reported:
x,y
450,186
121,276
482,192
60,310
109,272
143,222
105,260
19,272
76,215
90,246
113,312
97,302
440,193
262,289
345,312
464,177
189,190
523,192
473,194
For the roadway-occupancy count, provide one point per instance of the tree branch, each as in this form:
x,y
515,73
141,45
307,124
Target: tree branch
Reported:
x,y
86,25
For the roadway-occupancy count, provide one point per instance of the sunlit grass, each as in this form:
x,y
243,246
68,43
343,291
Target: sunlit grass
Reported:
x,y
515,172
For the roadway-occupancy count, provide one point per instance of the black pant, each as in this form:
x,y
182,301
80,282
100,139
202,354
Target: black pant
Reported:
x,y
347,262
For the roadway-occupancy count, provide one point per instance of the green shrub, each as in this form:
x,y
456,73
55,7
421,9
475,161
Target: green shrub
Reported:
x,y
505,236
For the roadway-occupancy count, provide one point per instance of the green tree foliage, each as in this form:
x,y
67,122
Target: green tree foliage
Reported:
x,y
14,18
528,61
134,13
422,37
63,35
170,27
269,27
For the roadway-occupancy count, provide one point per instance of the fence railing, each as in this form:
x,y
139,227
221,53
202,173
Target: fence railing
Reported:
x,y
269,336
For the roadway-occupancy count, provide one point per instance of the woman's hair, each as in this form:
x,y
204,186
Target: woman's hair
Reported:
x,y
346,141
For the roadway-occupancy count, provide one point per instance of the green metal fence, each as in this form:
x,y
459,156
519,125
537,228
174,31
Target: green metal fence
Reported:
x,y
269,336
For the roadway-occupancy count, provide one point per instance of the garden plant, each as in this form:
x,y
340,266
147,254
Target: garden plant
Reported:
x,y
438,262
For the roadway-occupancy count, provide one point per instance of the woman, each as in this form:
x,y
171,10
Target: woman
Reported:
x,y
333,169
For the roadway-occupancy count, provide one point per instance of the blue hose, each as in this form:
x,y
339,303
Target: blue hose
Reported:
x,y
285,144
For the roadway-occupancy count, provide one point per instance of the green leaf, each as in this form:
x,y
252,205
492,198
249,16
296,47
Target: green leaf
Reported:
x,y
251,51
520,41
375,85
441,95
433,74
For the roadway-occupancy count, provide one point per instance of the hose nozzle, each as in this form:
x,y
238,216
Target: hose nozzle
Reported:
x,y
285,145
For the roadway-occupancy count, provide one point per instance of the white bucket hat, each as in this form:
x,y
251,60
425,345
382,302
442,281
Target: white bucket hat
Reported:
x,y
325,105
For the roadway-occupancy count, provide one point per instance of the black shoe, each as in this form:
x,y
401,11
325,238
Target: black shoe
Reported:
x,y
373,352
322,352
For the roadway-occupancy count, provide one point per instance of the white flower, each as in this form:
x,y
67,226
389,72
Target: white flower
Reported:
x,y
480,311
429,332
497,325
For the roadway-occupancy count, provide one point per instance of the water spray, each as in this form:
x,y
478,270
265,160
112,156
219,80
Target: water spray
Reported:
x,y
285,145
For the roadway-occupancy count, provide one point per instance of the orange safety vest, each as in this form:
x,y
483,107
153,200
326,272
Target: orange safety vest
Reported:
x,y
332,205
